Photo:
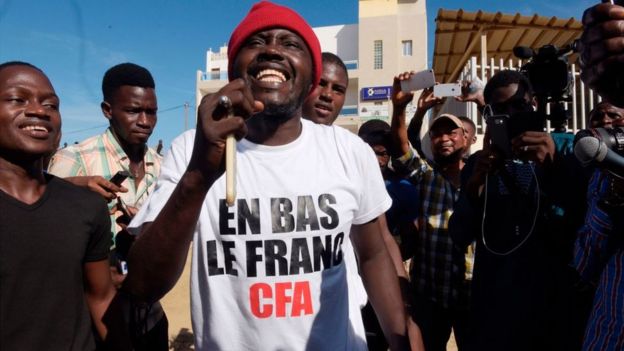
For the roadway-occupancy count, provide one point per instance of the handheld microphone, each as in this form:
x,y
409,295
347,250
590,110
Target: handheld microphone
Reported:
x,y
591,150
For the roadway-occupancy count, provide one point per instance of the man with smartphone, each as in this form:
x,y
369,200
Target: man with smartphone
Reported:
x,y
522,203
130,106
119,166
439,293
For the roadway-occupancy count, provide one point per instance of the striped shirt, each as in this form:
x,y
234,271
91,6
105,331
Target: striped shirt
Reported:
x,y
599,255
437,267
590,249
102,155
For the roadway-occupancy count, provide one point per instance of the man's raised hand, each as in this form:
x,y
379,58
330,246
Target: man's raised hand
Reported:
x,y
400,98
602,51
213,126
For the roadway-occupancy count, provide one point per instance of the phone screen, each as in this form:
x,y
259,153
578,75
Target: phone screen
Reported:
x,y
119,177
498,130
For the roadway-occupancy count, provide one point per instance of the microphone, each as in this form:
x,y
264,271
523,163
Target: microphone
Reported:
x,y
591,150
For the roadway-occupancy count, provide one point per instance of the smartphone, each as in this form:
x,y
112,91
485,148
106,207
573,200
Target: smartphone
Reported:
x,y
498,130
419,80
121,205
122,267
119,177
442,90
115,260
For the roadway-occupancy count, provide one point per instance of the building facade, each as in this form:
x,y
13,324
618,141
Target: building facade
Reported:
x,y
390,37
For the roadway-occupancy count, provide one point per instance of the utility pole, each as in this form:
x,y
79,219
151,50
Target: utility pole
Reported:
x,y
186,108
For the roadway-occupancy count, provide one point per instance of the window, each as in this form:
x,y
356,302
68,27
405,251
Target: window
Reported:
x,y
378,54
214,74
407,47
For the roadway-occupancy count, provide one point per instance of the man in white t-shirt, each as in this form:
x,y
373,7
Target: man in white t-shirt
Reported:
x,y
268,273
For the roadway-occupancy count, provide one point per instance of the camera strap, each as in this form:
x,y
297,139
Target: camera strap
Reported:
x,y
516,191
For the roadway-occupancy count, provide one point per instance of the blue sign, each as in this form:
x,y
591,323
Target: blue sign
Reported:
x,y
375,93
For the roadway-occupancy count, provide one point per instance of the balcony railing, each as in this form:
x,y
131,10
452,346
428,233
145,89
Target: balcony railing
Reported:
x,y
218,56
351,64
221,75
351,110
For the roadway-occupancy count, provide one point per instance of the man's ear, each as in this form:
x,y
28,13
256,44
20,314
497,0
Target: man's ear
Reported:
x,y
107,110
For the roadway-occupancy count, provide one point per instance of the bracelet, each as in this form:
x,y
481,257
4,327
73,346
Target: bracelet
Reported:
x,y
406,157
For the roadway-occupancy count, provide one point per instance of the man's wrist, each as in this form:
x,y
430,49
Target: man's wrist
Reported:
x,y
480,102
195,181
420,113
400,342
398,112
405,287
406,157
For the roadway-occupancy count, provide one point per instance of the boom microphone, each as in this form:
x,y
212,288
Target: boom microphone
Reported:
x,y
591,150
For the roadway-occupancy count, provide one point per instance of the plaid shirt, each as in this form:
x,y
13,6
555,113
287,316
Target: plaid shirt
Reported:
x,y
102,155
438,267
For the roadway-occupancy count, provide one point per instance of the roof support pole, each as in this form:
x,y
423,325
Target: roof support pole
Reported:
x,y
462,61
484,62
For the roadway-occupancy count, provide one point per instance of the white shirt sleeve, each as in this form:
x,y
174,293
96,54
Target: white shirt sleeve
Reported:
x,y
374,198
173,167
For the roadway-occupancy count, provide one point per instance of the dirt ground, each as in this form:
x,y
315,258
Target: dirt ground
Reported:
x,y
177,305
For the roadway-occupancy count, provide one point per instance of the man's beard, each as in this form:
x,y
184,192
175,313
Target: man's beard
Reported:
x,y
445,160
275,114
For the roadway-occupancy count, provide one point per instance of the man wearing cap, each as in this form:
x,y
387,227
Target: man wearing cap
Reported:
x,y
437,266
268,272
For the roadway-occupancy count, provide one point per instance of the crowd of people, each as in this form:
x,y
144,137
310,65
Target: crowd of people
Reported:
x,y
335,241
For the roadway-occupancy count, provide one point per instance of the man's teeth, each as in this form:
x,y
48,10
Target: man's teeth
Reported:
x,y
271,75
36,128
321,107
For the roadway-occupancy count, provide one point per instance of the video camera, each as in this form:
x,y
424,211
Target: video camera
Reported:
x,y
549,73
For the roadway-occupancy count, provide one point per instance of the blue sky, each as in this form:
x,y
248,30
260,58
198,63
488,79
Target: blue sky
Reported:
x,y
74,42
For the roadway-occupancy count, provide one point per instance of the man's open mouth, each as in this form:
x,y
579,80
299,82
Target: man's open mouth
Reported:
x,y
36,130
323,107
271,76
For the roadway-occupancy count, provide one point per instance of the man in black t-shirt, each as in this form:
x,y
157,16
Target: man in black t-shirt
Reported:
x,y
54,236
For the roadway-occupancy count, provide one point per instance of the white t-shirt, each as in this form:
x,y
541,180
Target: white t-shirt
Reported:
x,y
268,273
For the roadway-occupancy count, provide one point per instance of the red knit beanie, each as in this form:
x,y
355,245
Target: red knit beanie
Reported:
x,y
266,15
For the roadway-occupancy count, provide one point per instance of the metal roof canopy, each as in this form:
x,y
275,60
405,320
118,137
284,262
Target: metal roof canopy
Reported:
x,y
460,35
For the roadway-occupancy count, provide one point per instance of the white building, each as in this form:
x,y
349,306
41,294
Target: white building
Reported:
x,y
391,37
